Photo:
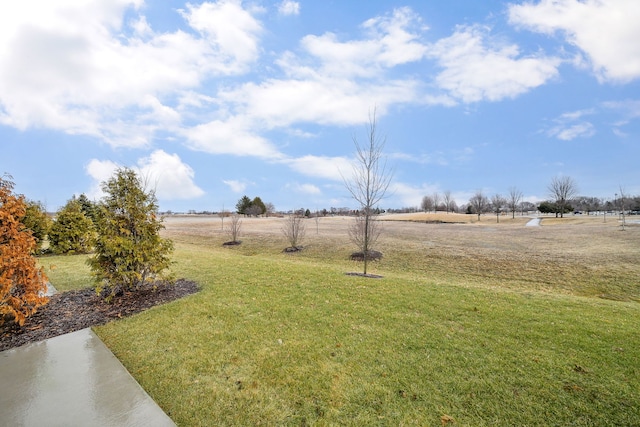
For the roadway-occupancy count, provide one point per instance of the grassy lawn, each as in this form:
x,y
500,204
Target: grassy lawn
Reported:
x,y
487,325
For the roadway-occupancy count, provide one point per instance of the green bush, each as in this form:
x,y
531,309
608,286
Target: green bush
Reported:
x,y
36,220
128,248
71,231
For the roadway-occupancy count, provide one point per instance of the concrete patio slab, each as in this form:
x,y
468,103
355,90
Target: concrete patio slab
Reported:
x,y
72,380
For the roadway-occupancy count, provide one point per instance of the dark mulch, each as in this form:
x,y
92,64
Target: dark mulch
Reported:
x,y
368,275
74,310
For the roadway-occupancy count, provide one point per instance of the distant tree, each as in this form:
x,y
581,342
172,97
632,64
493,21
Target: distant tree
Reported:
x,y
307,213
427,204
552,207
253,210
72,231
436,200
294,230
562,189
448,200
316,218
88,207
513,200
368,186
257,202
623,206
37,221
129,251
479,203
497,203
527,206
223,214
270,208
243,204
22,283
547,207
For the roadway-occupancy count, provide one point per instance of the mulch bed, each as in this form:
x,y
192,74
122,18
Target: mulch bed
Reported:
x,y
74,310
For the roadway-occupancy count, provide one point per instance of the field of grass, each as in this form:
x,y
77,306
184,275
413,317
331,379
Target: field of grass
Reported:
x,y
488,324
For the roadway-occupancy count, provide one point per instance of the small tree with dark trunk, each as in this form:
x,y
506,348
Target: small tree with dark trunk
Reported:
x,y
497,203
479,203
513,201
448,200
362,229
436,200
294,230
233,230
562,189
368,185
427,203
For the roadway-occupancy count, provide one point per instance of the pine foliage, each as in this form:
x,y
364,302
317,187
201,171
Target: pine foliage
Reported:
x,y
72,231
128,248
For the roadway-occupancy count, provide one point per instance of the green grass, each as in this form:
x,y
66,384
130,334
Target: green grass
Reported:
x,y
67,272
275,339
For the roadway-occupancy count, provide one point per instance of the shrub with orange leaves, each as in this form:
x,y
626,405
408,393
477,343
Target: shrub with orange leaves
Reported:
x,y
22,283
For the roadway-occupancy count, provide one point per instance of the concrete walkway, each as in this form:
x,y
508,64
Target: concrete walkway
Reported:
x,y
72,380
533,222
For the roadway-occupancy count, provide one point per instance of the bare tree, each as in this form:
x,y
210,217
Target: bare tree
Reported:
x,y
234,228
369,183
270,208
562,189
294,230
223,214
316,218
479,203
448,200
362,231
622,206
436,200
254,210
498,202
513,200
427,203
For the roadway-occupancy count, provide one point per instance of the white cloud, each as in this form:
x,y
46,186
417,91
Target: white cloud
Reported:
x,y
571,125
100,171
408,195
336,82
322,100
164,173
606,31
392,40
306,189
629,108
75,67
477,68
236,186
233,136
289,7
569,132
332,168
227,26
168,176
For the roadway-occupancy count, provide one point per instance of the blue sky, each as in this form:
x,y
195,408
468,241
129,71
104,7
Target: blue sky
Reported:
x,y
210,101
